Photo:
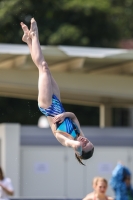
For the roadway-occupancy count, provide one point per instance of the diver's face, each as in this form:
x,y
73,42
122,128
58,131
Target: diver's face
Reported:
x,y
101,187
85,143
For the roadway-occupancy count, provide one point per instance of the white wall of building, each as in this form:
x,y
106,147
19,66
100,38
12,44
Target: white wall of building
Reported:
x,y
52,171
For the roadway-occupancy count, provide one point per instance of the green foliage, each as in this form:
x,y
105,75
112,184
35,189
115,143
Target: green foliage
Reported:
x,y
64,33
122,14
77,22
86,5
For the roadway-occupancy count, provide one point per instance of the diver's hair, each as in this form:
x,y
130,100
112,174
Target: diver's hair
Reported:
x,y
87,155
79,159
99,179
84,156
1,172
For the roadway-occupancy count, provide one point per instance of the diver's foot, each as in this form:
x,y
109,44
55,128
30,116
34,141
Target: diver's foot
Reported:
x,y
33,28
25,37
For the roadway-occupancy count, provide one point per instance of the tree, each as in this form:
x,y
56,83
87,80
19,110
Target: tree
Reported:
x,y
63,22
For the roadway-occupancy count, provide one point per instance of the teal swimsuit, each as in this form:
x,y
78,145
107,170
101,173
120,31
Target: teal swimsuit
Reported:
x,y
67,125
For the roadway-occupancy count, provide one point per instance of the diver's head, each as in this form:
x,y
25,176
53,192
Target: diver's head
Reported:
x,y
87,149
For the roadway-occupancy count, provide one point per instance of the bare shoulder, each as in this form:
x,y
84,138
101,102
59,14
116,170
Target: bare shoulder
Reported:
x,y
110,198
89,196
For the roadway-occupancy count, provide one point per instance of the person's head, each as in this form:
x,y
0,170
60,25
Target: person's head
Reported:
x,y
1,174
127,180
100,185
94,182
126,176
87,149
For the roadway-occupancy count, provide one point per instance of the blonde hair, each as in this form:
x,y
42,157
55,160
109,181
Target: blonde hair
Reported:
x,y
99,179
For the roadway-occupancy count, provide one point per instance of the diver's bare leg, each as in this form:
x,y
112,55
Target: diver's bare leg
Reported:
x,y
46,83
56,89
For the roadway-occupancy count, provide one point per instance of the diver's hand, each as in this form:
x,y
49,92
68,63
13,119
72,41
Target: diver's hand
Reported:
x,y
78,148
59,118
